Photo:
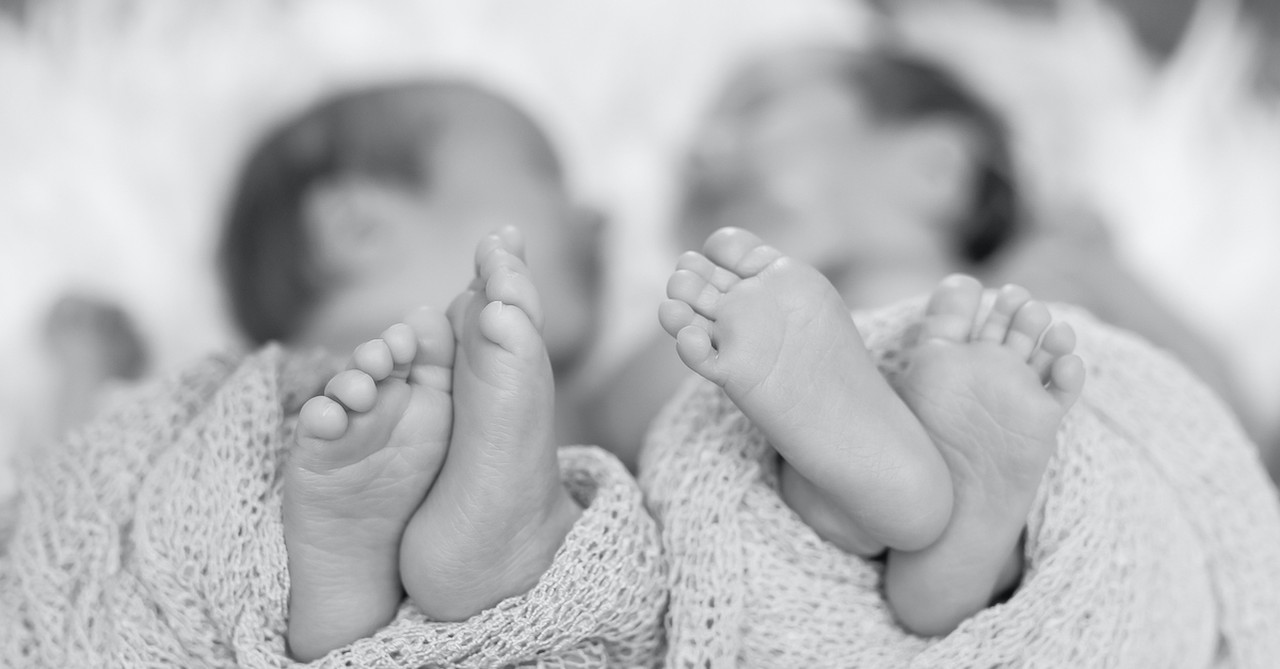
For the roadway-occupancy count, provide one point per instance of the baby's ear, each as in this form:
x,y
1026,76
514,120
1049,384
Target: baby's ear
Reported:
x,y
344,225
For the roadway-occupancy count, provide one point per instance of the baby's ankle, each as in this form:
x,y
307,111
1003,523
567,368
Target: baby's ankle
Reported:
x,y
858,531
491,574
544,540
822,515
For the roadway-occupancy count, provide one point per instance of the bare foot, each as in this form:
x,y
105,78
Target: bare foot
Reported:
x,y
497,514
992,399
775,335
366,453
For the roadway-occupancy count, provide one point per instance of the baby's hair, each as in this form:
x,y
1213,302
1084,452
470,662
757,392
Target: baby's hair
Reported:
x,y
384,133
896,89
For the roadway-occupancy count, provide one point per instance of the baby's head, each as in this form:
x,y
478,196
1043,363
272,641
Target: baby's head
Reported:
x,y
839,155
370,203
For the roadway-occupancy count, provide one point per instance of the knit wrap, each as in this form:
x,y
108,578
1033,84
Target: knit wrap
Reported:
x,y
153,537
1154,540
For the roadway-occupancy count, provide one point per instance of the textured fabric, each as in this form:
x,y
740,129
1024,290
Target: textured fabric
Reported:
x,y
153,538
1154,540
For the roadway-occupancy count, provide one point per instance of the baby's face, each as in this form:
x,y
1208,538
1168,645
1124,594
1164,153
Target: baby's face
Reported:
x,y
817,177
487,174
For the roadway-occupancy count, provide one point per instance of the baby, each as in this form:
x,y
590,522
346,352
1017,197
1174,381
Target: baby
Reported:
x,y
369,203
430,462
345,218
939,466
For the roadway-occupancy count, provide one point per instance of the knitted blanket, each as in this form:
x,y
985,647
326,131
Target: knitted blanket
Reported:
x,y
1154,541
153,538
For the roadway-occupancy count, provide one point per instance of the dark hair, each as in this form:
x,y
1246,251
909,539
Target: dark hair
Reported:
x,y
384,132
895,88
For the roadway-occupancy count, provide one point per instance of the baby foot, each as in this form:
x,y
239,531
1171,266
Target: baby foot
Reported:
x,y
775,335
366,453
498,513
991,398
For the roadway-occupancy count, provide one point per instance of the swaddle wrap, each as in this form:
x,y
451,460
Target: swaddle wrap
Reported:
x,y
1154,540
153,538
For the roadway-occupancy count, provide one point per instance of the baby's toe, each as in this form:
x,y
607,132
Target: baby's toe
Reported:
x,y
757,260
1029,323
692,289
509,326
739,251
322,418
728,245
355,389
506,238
509,285
402,347
1066,379
1009,299
1058,340
402,341
374,358
434,340
512,240
675,315
714,274
693,345
500,260
952,309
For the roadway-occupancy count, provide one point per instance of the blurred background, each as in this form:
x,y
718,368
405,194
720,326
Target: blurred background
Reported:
x,y
1152,125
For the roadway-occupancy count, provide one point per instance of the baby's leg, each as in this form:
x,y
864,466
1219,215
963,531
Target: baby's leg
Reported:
x,y
775,335
498,513
992,402
366,453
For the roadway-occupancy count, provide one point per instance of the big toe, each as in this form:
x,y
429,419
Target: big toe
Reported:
x,y
739,251
952,309
507,238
